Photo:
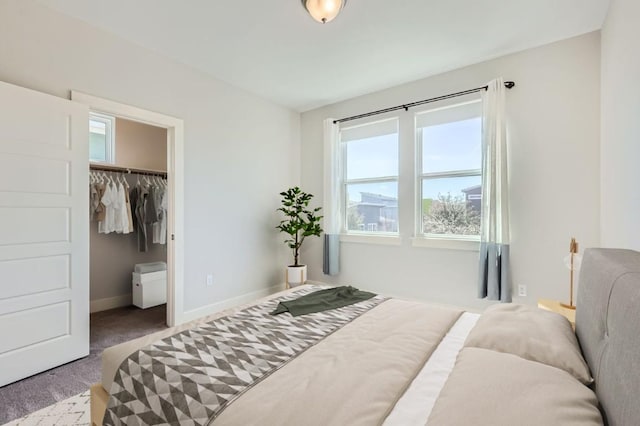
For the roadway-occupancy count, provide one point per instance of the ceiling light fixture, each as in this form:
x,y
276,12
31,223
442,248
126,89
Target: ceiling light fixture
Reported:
x,y
323,10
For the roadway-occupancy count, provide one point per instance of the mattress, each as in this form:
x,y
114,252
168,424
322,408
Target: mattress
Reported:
x,y
396,362
401,334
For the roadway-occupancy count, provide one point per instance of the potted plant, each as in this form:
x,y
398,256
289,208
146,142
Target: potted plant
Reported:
x,y
299,223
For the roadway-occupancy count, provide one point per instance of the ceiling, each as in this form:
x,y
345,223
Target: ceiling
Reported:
x,y
275,50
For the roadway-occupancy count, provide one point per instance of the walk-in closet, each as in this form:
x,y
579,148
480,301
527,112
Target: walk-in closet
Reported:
x,y
128,212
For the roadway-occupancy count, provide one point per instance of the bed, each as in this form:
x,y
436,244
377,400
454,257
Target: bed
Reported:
x,y
391,362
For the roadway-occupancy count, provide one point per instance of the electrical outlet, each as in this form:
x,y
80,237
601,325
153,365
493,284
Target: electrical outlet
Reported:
x,y
209,280
522,290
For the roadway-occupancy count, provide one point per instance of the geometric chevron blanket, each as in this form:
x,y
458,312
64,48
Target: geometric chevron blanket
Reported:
x,y
191,377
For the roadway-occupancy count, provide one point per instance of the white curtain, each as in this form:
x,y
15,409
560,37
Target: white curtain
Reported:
x,y
494,272
332,209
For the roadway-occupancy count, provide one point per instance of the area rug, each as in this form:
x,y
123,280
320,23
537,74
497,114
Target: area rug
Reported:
x,y
74,411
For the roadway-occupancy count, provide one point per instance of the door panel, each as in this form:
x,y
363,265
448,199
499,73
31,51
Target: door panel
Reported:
x,y
44,323
30,225
32,174
44,232
40,274
23,123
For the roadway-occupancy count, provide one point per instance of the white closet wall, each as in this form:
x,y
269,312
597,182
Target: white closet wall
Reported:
x,y
113,256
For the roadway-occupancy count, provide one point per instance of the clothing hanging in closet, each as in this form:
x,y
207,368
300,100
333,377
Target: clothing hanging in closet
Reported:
x,y
121,209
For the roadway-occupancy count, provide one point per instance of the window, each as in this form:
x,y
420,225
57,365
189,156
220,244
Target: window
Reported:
x,y
371,184
101,138
370,180
450,179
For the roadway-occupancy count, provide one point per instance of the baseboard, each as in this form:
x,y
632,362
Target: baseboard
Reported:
x,y
229,303
110,303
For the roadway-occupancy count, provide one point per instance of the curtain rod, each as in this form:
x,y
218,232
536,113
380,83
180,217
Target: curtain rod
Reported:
x,y
507,84
129,170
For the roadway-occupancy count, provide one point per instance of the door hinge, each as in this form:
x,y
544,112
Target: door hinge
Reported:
x,y
173,237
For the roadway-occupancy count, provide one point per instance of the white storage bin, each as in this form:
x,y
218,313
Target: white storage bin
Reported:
x,y
149,289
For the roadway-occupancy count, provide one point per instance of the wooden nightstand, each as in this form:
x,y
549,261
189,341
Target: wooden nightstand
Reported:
x,y
555,306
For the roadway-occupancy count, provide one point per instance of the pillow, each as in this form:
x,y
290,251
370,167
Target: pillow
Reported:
x,y
498,389
531,333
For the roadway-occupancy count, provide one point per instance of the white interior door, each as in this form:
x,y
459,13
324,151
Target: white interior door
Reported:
x,y
44,238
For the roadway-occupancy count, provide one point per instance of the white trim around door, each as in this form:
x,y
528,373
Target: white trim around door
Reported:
x,y
175,171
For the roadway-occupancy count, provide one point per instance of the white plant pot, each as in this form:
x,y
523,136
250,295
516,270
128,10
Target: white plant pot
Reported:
x,y
296,275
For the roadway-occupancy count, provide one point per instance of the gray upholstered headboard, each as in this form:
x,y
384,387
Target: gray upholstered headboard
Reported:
x,y
608,328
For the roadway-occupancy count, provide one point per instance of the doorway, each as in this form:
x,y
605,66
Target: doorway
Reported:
x,y
174,174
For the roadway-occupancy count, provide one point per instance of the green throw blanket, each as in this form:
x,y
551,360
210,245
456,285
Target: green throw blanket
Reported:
x,y
323,300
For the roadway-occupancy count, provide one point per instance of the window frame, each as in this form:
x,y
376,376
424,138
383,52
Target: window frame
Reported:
x,y
353,235
422,239
110,136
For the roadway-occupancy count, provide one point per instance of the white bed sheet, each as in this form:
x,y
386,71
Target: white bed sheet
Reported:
x,y
415,405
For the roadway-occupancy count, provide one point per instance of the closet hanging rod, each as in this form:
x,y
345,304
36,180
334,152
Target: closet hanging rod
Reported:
x,y
507,84
128,170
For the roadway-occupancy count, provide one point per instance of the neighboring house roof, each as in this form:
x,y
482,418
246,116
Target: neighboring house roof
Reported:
x,y
471,188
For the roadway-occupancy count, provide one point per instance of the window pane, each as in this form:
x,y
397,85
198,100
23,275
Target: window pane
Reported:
x,y
100,139
452,146
371,150
98,127
451,205
372,207
98,142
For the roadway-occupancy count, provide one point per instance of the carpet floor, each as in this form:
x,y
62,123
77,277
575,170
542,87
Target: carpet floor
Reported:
x,y
108,328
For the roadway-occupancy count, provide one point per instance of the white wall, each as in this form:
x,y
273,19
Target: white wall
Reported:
x,y
233,140
620,148
555,127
